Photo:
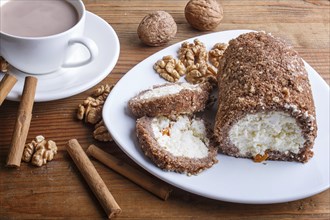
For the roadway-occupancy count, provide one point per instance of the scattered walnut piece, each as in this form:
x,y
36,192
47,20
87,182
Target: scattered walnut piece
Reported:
x,y
157,28
200,72
29,148
169,68
203,15
103,91
195,57
193,62
44,151
28,151
216,53
3,65
91,109
192,53
101,133
40,151
91,112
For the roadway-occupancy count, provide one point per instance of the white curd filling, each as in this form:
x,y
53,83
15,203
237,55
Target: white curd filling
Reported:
x,y
168,90
184,137
255,133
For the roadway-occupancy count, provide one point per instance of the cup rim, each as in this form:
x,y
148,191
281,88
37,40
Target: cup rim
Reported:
x,y
53,35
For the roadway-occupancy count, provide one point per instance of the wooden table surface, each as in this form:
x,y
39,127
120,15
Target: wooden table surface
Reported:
x,y
58,190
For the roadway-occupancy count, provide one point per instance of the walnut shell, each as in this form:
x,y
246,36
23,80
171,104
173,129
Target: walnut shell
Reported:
x,y
157,28
204,15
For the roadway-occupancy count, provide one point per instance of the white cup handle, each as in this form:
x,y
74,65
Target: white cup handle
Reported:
x,y
92,49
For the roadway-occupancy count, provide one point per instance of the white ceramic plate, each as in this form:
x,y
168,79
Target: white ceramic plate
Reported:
x,y
232,179
67,82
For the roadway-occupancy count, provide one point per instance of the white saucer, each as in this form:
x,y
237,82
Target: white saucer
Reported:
x,y
67,82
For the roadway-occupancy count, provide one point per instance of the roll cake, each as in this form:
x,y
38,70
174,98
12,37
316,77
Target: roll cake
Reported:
x,y
183,144
266,109
171,99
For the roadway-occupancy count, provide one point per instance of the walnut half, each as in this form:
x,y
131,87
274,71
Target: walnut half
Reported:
x,y
195,62
91,109
45,151
91,112
216,53
101,132
169,68
39,151
192,53
29,148
201,72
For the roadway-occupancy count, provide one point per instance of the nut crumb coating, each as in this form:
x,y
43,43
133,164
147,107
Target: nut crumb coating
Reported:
x,y
184,102
261,73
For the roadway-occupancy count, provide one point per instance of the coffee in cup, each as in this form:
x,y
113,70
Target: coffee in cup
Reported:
x,y
35,35
37,19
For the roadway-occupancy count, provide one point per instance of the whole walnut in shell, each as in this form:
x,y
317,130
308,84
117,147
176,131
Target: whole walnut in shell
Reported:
x,y
157,28
204,15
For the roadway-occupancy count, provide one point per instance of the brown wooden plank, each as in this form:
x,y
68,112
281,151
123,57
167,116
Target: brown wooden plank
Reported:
x,y
58,189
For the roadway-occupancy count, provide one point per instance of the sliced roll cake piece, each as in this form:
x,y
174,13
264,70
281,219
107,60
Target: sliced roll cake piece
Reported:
x,y
266,109
183,144
171,99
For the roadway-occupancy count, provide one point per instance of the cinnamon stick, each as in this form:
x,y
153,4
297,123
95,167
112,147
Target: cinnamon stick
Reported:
x,y
6,84
22,123
153,185
92,178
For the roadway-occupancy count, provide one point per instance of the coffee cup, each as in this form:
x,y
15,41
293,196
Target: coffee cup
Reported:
x,y
37,36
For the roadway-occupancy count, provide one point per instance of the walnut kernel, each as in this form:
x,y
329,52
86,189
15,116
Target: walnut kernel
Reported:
x,y
91,112
203,15
103,91
39,150
91,109
157,28
169,68
200,72
193,62
44,151
101,133
216,53
29,148
28,152
192,53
